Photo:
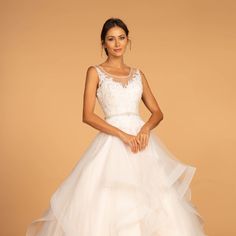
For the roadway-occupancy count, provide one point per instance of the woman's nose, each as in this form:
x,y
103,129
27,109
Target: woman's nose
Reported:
x,y
117,43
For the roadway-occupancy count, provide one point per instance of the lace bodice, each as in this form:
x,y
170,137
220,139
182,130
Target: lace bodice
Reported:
x,y
116,97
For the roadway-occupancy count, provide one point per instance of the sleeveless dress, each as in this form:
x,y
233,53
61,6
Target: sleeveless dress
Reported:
x,y
112,191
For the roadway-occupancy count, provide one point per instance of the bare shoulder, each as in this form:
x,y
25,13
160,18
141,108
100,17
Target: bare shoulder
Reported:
x,y
91,70
91,74
141,72
144,78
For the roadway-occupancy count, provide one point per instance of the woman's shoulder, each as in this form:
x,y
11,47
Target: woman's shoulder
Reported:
x,y
140,71
91,68
92,73
142,75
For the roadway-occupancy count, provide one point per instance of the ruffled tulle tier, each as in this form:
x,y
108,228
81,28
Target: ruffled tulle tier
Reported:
x,y
114,192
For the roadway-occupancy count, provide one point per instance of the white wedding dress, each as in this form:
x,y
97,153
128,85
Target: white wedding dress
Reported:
x,y
112,191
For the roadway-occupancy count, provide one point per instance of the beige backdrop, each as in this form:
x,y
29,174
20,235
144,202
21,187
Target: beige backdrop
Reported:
x,y
187,51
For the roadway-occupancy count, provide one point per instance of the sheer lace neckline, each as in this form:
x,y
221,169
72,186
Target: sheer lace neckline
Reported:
x,y
117,76
124,81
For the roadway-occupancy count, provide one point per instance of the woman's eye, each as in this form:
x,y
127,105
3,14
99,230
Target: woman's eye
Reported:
x,y
110,39
122,37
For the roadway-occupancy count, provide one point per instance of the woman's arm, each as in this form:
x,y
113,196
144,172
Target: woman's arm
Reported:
x,y
157,115
152,105
89,100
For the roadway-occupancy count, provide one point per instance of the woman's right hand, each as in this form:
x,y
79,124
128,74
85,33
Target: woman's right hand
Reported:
x,y
131,140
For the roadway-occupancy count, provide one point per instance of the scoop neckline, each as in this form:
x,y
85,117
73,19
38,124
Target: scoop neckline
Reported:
x,y
118,76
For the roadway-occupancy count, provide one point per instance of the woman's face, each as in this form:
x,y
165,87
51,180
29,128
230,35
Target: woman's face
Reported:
x,y
116,41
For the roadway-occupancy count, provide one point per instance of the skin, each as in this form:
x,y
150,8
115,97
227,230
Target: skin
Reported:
x,y
114,64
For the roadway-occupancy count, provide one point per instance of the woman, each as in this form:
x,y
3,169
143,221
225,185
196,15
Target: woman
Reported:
x,y
126,183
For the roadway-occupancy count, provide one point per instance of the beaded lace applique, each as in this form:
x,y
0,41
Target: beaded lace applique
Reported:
x,y
115,97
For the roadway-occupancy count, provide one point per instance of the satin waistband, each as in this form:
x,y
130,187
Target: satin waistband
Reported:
x,y
122,114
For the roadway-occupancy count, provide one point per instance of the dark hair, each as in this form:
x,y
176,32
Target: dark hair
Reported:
x,y
111,22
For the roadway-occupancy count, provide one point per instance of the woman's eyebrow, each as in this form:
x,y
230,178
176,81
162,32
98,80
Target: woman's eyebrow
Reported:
x,y
114,36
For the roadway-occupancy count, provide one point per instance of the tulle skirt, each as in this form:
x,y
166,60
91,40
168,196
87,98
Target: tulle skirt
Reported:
x,y
112,191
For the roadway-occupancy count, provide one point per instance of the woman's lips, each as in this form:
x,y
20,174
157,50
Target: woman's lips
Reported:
x,y
117,50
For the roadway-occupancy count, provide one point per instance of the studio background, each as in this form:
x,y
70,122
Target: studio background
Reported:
x,y
186,50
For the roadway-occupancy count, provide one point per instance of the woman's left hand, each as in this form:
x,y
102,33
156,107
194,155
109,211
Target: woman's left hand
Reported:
x,y
143,137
